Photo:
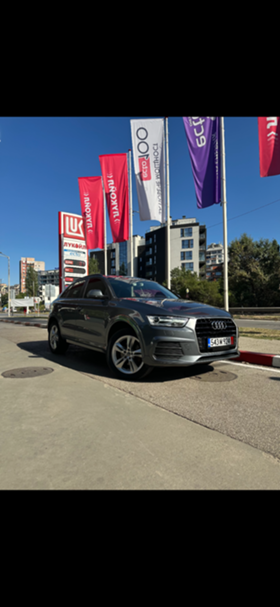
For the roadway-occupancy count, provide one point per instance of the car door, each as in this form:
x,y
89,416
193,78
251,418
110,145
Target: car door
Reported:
x,y
69,311
94,314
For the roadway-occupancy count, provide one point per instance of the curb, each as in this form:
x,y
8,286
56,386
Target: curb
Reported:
x,y
27,324
256,358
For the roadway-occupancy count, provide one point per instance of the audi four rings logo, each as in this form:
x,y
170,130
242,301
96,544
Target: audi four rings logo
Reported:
x,y
218,325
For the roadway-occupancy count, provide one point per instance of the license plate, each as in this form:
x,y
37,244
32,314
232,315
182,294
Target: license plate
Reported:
x,y
215,342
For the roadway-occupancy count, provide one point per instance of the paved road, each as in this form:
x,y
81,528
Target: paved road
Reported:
x,y
238,400
79,428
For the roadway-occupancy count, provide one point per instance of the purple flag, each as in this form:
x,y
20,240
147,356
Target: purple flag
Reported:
x,y
203,136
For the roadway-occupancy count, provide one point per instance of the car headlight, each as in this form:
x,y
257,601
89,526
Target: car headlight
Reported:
x,y
168,321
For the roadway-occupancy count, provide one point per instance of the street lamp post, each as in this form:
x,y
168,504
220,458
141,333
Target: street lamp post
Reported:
x,y
3,255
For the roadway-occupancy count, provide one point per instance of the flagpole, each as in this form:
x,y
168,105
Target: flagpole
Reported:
x,y
61,261
131,224
167,208
224,203
105,240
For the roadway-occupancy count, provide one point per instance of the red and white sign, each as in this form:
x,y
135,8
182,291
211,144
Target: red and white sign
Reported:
x,y
91,197
73,253
73,226
115,178
145,168
269,146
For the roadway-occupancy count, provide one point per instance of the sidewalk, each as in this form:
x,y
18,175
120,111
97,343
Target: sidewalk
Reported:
x,y
27,320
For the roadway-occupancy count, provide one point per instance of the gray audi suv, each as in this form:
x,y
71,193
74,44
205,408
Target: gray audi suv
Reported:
x,y
140,325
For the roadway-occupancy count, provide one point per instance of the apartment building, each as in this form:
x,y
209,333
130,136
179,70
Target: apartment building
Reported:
x,y
119,258
47,277
187,249
214,261
24,263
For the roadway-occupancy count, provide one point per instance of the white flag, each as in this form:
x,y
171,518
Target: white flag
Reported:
x,y
148,155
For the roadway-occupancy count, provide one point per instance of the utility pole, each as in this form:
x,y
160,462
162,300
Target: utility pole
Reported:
x,y
3,255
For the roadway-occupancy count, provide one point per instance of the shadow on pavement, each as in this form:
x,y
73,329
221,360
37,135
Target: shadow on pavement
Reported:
x,y
94,363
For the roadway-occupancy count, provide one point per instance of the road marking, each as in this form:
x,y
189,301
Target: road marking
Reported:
x,y
247,366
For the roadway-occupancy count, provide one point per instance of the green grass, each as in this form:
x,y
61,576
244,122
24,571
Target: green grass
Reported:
x,y
257,333
253,317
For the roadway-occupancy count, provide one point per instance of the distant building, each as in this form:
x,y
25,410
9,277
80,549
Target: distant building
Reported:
x,y
16,289
23,265
47,277
118,257
187,249
49,292
3,288
214,261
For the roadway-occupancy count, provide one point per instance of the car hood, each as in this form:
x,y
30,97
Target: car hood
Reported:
x,y
179,307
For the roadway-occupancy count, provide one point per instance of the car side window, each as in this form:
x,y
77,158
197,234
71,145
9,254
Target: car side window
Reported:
x,y
76,289
97,283
64,293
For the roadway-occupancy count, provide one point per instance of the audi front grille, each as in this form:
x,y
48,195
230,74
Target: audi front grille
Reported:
x,y
204,330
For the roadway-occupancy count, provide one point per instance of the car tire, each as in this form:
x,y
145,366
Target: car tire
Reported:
x,y
124,356
57,344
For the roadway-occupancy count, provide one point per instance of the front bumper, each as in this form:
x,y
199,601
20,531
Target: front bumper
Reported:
x,y
176,347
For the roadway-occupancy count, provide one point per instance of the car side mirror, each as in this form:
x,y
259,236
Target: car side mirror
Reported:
x,y
95,294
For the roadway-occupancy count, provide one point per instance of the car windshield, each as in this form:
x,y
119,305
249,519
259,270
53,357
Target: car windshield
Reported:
x,y
135,288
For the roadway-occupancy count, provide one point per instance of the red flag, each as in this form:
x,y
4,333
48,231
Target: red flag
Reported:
x,y
115,177
91,196
269,147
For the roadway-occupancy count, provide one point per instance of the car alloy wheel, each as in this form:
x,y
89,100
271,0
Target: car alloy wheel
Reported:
x,y
127,355
56,343
124,356
54,337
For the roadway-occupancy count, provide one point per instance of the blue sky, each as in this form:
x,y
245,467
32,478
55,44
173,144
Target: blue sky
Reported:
x,y
42,158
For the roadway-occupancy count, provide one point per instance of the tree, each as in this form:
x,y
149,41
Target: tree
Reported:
x,y
254,272
20,296
31,282
199,289
93,267
4,298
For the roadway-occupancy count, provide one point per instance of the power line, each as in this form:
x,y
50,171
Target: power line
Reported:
x,y
237,216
